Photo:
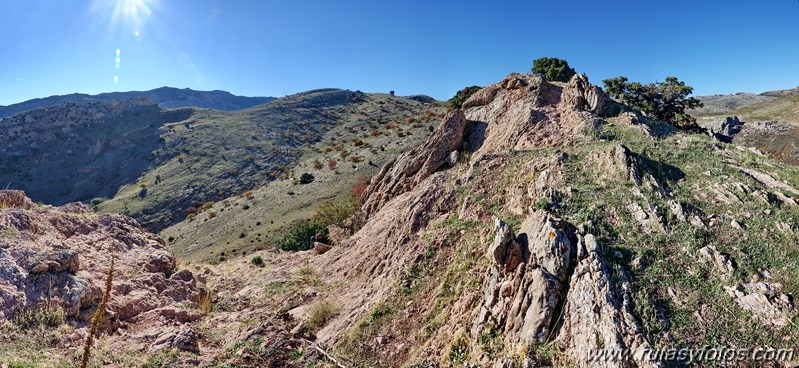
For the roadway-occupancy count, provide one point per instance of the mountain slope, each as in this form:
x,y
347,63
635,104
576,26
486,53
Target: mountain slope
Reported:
x,y
770,125
159,165
539,225
557,231
165,97
772,105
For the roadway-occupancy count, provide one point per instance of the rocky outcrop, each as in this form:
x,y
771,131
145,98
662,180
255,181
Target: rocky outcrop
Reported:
x,y
540,188
580,95
520,294
58,258
524,111
598,313
764,299
15,199
516,113
409,169
532,276
617,163
724,129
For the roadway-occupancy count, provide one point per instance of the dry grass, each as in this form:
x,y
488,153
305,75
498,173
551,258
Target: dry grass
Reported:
x,y
98,315
321,313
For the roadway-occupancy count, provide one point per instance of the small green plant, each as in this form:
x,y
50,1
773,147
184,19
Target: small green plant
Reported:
x,y
8,233
457,101
321,313
306,178
376,313
47,316
257,261
541,204
459,351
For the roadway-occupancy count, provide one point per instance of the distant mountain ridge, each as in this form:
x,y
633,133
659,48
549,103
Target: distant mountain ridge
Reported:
x,y
722,104
166,97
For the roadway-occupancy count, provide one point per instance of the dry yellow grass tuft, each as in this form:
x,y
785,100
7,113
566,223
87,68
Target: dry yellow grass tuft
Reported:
x,y
98,315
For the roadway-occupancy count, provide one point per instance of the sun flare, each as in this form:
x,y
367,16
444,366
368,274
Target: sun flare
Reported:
x,y
130,15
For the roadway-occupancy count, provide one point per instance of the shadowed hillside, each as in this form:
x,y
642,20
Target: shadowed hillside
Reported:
x,y
164,97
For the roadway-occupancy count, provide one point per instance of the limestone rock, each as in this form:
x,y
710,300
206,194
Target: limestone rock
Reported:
x,y
724,129
516,113
766,301
719,260
579,95
617,162
183,338
56,258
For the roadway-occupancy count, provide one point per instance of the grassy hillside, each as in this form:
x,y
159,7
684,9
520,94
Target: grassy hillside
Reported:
x,y
776,105
159,165
372,133
76,152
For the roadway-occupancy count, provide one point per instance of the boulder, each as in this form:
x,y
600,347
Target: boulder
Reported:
x,y
15,199
181,338
321,248
725,129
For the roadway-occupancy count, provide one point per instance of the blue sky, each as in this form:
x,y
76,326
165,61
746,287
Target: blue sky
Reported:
x,y
275,48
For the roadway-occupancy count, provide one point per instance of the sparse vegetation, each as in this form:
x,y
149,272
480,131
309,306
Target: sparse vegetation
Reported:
x,y
47,316
301,236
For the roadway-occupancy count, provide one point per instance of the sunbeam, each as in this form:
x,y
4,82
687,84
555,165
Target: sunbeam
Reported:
x,y
130,15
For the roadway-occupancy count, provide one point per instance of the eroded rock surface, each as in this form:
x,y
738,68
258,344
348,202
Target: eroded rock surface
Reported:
x,y
409,169
59,258
598,313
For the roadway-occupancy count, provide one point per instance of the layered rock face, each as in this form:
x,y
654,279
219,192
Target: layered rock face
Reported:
x,y
550,268
59,257
524,111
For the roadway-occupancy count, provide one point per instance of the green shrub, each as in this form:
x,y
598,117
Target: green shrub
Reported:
x,y
457,101
333,212
298,237
306,178
257,261
47,316
553,69
666,101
